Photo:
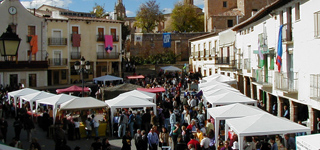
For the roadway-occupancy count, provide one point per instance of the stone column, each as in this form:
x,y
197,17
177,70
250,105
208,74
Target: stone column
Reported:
x,y
312,119
120,70
245,86
293,111
251,89
269,105
280,106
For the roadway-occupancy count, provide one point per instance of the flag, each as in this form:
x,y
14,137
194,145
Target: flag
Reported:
x,y
260,43
108,43
279,61
166,38
34,44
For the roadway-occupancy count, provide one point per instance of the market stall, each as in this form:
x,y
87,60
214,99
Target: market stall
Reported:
x,y
152,90
141,94
262,124
31,98
229,98
170,69
84,104
73,88
106,78
136,77
127,102
231,111
18,93
55,101
308,142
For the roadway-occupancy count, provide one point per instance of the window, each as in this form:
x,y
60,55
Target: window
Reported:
x,y
225,4
32,80
281,17
230,23
317,24
101,34
63,74
31,30
114,35
297,11
75,30
13,79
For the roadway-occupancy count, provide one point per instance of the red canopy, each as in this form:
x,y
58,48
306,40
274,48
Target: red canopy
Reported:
x,y
72,89
136,77
152,90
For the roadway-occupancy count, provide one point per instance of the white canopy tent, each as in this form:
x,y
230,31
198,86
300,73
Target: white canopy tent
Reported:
x,y
18,93
209,85
220,91
141,94
229,98
128,102
222,79
81,103
107,78
170,69
231,111
34,97
308,142
55,101
262,124
209,78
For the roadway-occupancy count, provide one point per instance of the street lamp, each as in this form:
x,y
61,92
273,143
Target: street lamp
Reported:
x,y
82,67
9,43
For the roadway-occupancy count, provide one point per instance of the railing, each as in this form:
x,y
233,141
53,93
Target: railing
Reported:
x,y
75,55
286,33
58,62
207,53
115,38
258,74
105,55
23,64
222,60
286,81
315,86
201,53
247,64
100,37
57,41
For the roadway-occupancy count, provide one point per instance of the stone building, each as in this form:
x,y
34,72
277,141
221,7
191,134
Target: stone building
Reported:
x,y
223,14
120,10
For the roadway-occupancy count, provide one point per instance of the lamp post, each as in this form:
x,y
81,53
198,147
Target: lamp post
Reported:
x,y
9,43
82,67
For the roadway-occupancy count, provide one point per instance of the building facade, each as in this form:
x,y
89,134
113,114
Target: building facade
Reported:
x,y
72,35
26,67
257,45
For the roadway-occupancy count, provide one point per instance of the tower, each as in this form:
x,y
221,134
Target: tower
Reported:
x,y
120,10
190,2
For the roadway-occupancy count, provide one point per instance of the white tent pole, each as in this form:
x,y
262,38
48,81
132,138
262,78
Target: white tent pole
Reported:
x,y
226,131
54,113
240,141
20,102
216,130
111,118
15,104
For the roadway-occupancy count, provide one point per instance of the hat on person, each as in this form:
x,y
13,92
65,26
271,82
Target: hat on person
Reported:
x,y
235,145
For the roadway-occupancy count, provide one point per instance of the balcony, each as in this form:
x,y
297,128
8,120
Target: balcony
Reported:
x,y
58,62
247,65
75,55
202,54
222,60
115,38
105,55
287,33
57,41
207,53
287,81
100,38
12,65
315,87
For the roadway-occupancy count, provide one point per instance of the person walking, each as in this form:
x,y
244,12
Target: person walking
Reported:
x,y
164,137
137,139
17,128
77,129
4,128
96,125
88,127
123,120
29,126
144,141
131,123
126,141
153,140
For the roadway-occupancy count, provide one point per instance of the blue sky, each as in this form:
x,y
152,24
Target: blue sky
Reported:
x,y
86,5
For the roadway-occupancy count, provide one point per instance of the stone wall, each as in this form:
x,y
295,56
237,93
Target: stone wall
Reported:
x,y
152,44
